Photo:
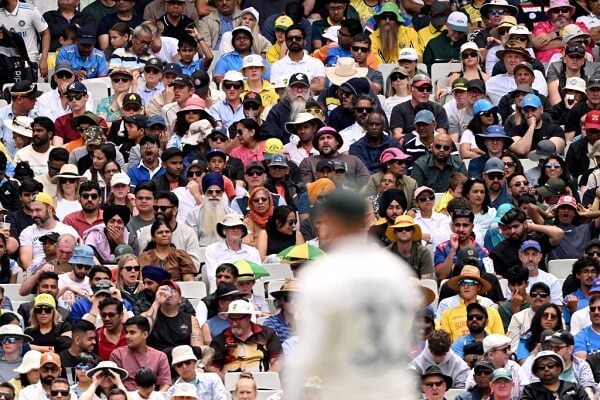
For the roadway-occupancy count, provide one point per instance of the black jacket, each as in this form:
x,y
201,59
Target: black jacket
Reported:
x,y
577,159
567,391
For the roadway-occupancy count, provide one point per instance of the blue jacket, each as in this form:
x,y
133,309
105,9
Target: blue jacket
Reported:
x,y
84,305
369,155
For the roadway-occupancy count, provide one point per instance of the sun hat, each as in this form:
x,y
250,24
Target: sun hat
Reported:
x,y
521,30
184,389
231,220
20,125
546,354
252,11
405,221
493,132
197,132
107,366
119,71
290,285
469,272
389,8
83,254
225,290
68,171
331,33
302,118
242,307
12,330
434,370
392,153
572,31
344,70
469,46
559,4
242,29
507,21
484,10
182,353
494,341
31,360
428,294
575,83
330,131
514,46
552,187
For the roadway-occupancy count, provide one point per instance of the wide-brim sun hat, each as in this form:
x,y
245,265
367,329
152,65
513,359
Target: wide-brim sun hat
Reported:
x,y
469,272
289,286
498,3
302,118
345,69
31,360
108,366
12,330
20,125
508,21
230,221
68,171
405,221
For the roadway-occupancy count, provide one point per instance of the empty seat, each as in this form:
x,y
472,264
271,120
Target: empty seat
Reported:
x,y
278,271
11,290
561,268
192,289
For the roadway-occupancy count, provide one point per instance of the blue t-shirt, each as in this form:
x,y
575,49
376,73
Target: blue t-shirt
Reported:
x,y
94,65
232,61
587,340
583,301
217,325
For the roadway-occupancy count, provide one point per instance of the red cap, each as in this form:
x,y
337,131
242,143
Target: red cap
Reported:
x,y
172,284
567,201
592,119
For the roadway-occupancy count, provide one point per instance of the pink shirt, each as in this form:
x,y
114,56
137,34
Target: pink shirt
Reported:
x,y
543,28
132,361
247,155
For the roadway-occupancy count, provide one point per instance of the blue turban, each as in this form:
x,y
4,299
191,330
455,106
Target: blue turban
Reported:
x,y
212,178
154,273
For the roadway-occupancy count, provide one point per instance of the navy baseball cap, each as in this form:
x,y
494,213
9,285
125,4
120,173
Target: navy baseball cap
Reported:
x,y
156,120
172,68
76,87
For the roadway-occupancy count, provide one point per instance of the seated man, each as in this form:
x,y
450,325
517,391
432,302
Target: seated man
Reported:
x,y
585,271
208,385
255,348
477,320
548,366
518,278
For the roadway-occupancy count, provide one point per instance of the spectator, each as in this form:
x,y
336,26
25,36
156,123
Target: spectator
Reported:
x,y
434,389
86,61
547,366
547,317
213,26
444,47
124,13
469,346
407,245
518,279
82,344
50,370
207,385
397,90
23,98
48,330
13,339
585,271
386,43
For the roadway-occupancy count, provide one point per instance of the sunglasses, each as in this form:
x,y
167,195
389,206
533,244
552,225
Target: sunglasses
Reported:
x,y
186,362
219,139
131,268
68,180
78,96
216,192
294,39
251,106
87,196
503,31
150,71
162,208
120,80
83,266
255,173
594,309
8,340
553,166
481,372
462,212
541,295
489,113
503,350
235,86
260,200
468,54
64,75
314,111
144,198
195,173
388,17
592,253
83,367
550,316
522,183
476,317
404,229
132,108
193,112
561,10
108,315
499,11
6,396
442,147
292,222
359,49
397,77
425,88
495,176
468,282
61,393
425,198
363,110
542,367
49,368
510,164
43,310
432,384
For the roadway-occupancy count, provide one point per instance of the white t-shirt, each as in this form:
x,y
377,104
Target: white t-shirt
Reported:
x,y
285,68
69,298
27,21
168,50
37,161
30,236
64,207
552,282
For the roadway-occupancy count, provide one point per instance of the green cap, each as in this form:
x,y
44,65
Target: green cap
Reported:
x,y
501,373
389,8
552,187
122,250
86,117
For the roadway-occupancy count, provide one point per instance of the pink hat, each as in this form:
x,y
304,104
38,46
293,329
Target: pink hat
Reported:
x,y
392,154
559,4
194,103
422,189
567,201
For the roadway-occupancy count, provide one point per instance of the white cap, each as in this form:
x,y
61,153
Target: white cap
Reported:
x,y
493,341
233,76
182,353
409,54
240,307
575,83
185,390
469,46
458,21
120,178
519,30
331,33
252,60
253,11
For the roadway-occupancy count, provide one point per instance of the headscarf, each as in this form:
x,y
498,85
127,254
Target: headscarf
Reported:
x,y
260,220
319,187
387,197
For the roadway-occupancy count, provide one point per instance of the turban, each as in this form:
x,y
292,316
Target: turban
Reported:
x,y
156,274
319,187
388,196
212,178
114,209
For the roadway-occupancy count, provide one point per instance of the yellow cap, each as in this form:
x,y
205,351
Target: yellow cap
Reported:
x,y
45,198
44,300
283,22
273,146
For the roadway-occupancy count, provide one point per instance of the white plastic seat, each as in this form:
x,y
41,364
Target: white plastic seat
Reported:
x,y
561,268
272,286
451,394
192,289
466,162
438,196
527,163
440,71
11,290
3,103
278,271
264,380
97,89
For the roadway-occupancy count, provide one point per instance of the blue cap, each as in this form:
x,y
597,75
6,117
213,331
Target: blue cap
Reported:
x,y
595,286
531,100
76,87
218,131
530,244
494,164
156,120
154,273
63,65
425,117
83,254
278,160
501,210
481,106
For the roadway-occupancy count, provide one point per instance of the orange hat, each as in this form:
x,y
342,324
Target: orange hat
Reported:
x,y
50,358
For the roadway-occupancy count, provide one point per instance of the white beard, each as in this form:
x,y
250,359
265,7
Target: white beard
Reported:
x,y
296,106
214,211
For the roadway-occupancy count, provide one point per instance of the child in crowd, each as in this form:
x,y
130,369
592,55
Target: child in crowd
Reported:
x,y
457,180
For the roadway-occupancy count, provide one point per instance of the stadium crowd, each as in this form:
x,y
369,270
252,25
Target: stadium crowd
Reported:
x,y
149,147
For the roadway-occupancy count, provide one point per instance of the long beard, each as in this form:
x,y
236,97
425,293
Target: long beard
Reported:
x,y
296,106
213,213
389,43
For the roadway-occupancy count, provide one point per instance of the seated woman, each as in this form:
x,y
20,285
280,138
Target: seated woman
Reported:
x,y
434,226
111,107
397,90
67,190
85,362
46,327
279,233
28,371
104,238
396,162
129,277
161,252
11,343
260,204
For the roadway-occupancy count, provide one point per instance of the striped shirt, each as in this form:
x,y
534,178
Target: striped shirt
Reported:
x,y
123,58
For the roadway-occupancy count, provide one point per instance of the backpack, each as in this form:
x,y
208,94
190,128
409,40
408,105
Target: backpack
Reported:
x,y
14,60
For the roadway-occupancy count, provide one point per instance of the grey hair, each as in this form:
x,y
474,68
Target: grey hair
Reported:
x,y
67,237
147,27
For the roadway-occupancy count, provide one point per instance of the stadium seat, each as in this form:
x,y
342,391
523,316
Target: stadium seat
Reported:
x,y
453,393
466,162
97,88
386,70
272,286
278,271
11,290
440,71
561,268
438,196
266,394
3,103
259,288
264,380
192,289
527,163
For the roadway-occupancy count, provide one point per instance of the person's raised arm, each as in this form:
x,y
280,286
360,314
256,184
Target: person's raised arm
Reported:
x,y
554,233
522,145
443,270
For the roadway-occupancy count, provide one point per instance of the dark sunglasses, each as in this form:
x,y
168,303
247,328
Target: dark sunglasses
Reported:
x,y
522,183
359,49
593,253
594,309
562,10
425,88
64,75
162,208
440,147
480,372
404,229
68,180
43,310
462,212
468,54
235,86
150,71
62,393
132,108
78,96
83,266
488,113
541,295
120,80
195,173
255,173
510,164
260,200
542,367
551,317
108,315
9,340
131,268
219,139
495,176
431,197
432,384
93,196
477,317
292,222
294,38
499,11
363,110
251,106
397,77
186,362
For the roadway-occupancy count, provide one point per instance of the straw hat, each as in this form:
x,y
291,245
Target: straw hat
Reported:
x,y
404,221
469,272
344,70
289,286
68,171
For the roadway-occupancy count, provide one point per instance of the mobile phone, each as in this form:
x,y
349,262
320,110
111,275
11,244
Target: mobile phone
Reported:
x,y
191,25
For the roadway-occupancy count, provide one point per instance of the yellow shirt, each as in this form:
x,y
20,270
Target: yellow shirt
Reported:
x,y
273,53
407,37
454,321
268,95
364,11
428,33
443,203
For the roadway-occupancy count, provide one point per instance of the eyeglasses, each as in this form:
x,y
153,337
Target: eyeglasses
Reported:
x,y
594,309
151,71
562,10
438,146
553,166
162,208
397,77
87,196
120,80
363,110
255,173
359,49
503,349
6,396
192,174
404,229
510,164
144,198
294,39
260,200
468,282
131,268
476,317
550,316
496,176
431,197
488,113
216,192
425,88
481,372
219,139
78,96
542,367
434,383
468,54
541,295
63,75
462,212
68,180
108,315
8,340
251,106
521,183
83,367
61,393
132,108
499,11
49,368
43,310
